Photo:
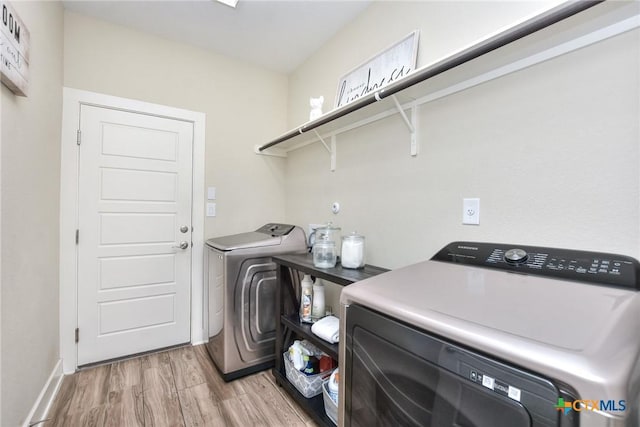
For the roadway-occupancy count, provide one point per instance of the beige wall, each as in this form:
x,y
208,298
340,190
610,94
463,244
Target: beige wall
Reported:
x,y
445,26
551,151
244,105
30,187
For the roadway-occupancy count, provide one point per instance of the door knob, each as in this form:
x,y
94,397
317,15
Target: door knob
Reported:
x,y
182,245
184,229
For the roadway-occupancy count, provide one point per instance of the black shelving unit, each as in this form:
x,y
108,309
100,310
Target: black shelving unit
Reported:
x,y
304,330
289,327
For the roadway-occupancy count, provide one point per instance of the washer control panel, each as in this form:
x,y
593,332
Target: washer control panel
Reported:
x,y
591,267
275,229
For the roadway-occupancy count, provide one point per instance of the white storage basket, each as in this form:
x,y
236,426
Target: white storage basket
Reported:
x,y
330,407
307,385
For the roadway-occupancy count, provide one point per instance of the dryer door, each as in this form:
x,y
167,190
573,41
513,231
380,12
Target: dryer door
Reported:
x,y
398,375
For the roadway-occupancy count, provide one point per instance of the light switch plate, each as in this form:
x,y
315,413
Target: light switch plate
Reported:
x,y
211,209
211,193
471,211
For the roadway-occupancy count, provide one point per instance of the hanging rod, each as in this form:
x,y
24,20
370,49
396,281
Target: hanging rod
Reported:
x,y
508,36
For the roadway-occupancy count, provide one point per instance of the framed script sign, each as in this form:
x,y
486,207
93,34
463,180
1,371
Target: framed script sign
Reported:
x,y
14,50
384,68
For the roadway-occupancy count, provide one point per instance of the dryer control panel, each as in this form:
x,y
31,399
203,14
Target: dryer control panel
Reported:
x,y
275,229
584,266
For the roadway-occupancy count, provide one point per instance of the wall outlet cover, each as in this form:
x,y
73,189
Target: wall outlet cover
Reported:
x,y
471,211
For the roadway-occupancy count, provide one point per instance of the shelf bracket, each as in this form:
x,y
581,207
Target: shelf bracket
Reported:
x,y
404,116
273,152
414,133
322,140
331,151
410,124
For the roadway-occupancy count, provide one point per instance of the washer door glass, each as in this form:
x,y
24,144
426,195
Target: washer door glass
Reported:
x,y
392,387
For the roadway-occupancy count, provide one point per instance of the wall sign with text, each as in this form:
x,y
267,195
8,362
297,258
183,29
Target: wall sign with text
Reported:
x,y
14,50
384,68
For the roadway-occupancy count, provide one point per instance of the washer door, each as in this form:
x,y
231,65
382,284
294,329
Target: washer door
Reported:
x,y
394,387
254,325
398,375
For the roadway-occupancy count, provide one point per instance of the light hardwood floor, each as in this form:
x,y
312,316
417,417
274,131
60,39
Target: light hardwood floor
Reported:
x,y
179,387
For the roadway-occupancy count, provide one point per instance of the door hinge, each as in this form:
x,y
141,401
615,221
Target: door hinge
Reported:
x,y
79,137
77,236
77,334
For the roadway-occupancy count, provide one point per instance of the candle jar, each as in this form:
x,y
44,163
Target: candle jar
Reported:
x,y
352,255
324,254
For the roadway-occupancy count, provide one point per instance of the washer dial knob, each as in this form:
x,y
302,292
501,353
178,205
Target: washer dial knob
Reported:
x,y
516,256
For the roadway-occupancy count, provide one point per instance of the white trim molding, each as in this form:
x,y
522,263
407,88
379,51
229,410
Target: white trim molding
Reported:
x,y
72,100
45,399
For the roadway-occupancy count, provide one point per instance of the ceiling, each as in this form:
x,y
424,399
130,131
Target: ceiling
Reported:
x,y
278,35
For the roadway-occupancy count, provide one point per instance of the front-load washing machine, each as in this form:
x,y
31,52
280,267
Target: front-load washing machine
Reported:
x,y
494,335
241,287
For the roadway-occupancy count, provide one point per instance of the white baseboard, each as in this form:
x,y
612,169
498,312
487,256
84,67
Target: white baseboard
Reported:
x,y
41,407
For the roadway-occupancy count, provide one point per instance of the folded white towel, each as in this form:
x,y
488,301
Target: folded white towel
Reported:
x,y
327,328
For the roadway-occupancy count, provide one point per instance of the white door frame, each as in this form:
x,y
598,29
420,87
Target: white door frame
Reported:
x,y
72,100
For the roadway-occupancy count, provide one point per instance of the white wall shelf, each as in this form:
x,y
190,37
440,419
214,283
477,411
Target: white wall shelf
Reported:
x,y
563,29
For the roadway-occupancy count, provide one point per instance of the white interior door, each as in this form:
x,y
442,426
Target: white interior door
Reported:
x,y
134,190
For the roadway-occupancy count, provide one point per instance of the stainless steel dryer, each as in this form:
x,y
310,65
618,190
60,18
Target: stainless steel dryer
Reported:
x,y
494,335
241,296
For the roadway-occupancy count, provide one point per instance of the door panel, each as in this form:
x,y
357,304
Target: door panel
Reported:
x,y
119,272
121,184
132,141
134,195
131,314
136,228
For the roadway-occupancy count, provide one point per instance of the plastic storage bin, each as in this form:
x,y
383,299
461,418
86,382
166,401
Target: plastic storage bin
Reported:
x,y
307,385
330,407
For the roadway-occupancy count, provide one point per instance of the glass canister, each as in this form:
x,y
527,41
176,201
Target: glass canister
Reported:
x,y
352,255
332,233
324,253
